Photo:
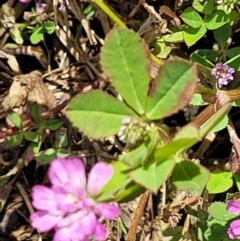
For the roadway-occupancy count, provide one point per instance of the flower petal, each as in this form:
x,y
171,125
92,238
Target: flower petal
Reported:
x,y
88,224
25,1
234,229
100,232
233,207
69,234
108,211
43,198
63,234
71,170
43,221
71,218
98,177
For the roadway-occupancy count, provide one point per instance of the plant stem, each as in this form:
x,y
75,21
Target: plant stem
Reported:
x,y
119,22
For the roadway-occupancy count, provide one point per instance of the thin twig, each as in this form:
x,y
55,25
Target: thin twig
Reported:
x,y
138,214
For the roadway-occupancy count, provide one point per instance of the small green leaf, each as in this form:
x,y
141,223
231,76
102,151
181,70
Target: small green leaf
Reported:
x,y
222,34
15,139
192,18
233,17
208,6
37,145
207,57
153,175
220,125
46,156
35,113
205,7
233,52
129,192
197,100
15,119
198,5
214,120
49,27
218,211
189,176
53,124
164,51
37,35
88,9
97,114
219,182
126,50
174,37
182,141
31,136
216,20
217,230
192,35
61,139
201,60
234,62
171,90
135,157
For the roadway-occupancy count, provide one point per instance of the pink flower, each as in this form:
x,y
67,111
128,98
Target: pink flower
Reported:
x,y
68,205
234,229
25,1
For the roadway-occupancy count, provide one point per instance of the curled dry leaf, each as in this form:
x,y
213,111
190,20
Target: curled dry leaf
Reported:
x,y
25,90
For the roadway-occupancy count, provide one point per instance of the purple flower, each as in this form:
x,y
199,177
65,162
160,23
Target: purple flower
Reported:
x,y
223,73
68,205
234,229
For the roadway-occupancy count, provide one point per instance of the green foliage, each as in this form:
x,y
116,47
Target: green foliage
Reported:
x,y
222,34
213,19
218,222
37,133
192,18
205,7
218,211
97,120
171,91
134,109
211,123
207,57
216,20
204,57
189,176
152,176
192,35
156,155
180,142
37,35
131,78
221,124
197,100
219,182
15,119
